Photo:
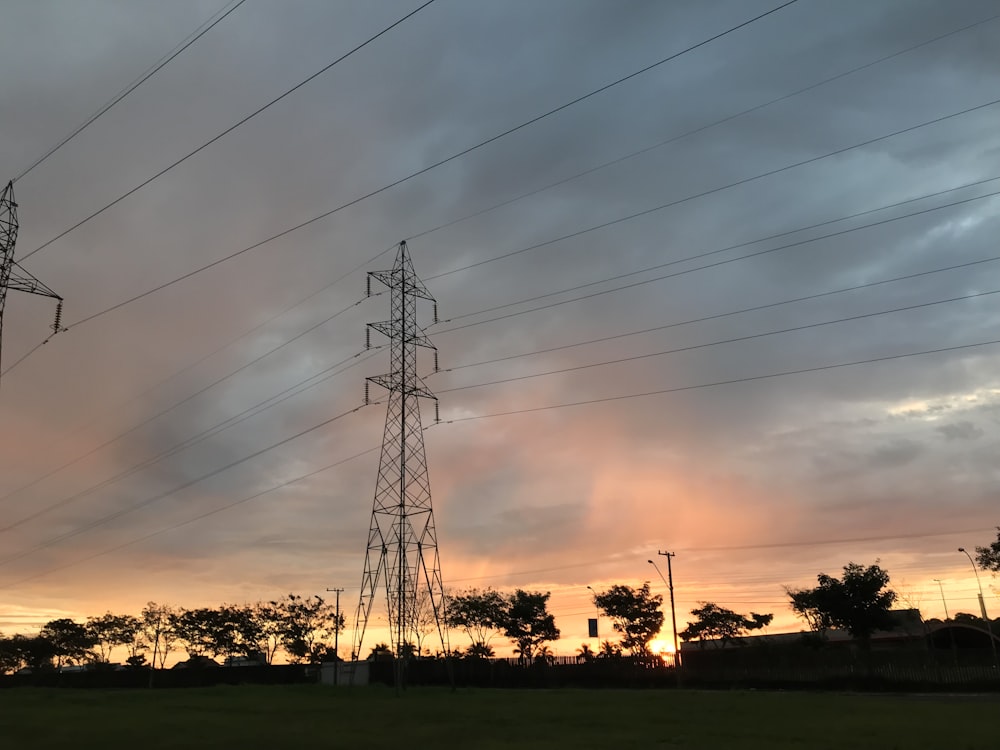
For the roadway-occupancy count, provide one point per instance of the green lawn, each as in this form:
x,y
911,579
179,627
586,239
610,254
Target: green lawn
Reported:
x,y
307,716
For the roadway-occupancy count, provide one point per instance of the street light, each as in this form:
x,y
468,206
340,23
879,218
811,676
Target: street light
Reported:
x,y
982,607
670,586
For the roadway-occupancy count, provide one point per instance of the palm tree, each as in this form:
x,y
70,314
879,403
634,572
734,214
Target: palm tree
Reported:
x,y
479,651
545,653
610,650
585,653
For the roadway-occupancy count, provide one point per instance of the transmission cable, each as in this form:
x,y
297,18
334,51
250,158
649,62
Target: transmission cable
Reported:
x,y
733,381
227,131
187,42
403,179
733,340
717,316
479,417
719,189
183,401
697,130
202,516
714,264
322,376
150,500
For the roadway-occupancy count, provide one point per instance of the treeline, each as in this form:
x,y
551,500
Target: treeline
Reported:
x,y
303,628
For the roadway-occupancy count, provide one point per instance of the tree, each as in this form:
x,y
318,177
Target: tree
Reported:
x,y
527,622
71,641
423,618
989,557
635,613
720,625
270,624
859,602
33,652
609,650
477,612
309,627
479,651
585,653
111,630
10,655
202,631
157,628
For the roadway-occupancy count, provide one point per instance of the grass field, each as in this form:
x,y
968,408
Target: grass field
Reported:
x,y
305,716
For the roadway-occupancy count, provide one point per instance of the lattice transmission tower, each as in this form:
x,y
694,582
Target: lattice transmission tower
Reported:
x,y
402,550
12,276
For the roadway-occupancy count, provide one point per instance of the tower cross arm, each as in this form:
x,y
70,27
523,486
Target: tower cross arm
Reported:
x,y
408,283
392,382
389,329
22,281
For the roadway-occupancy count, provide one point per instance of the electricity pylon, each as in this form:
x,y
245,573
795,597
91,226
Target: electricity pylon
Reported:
x,y
12,276
402,540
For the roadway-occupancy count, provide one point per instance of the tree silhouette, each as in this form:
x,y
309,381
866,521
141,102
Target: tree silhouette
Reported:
x,y
989,557
718,625
71,642
859,602
477,612
527,622
635,613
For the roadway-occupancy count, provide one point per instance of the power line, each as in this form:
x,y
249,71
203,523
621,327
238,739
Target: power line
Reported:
x,y
701,129
733,381
732,340
227,131
695,269
187,42
176,404
401,180
190,442
746,180
717,316
150,500
189,521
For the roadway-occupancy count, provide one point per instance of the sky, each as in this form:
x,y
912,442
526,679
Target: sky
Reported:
x,y
606,393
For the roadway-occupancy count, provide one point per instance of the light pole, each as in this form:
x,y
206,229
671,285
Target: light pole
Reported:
x,y
673,614
982,607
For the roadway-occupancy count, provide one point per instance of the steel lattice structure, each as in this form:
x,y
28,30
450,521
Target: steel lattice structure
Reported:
x,y
402,541
12,276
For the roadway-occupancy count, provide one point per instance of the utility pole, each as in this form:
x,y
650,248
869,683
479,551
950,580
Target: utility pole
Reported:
x,y
402,540
947,617
336,637
12,275
673,613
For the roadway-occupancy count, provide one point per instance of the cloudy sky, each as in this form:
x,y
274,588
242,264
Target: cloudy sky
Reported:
x,y
830,168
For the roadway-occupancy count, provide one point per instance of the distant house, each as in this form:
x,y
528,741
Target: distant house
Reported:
x,y
910,632
196,662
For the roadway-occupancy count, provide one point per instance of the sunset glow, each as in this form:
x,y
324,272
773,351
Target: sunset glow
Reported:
x,y
739,307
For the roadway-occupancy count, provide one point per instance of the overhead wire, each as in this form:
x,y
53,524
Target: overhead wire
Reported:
x,y
174,490
225,132
187,42
717,316
731,381
728,186
731,340
199,517
322,376
183,401
400,181
700,129
684,272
